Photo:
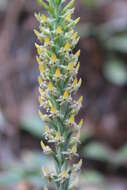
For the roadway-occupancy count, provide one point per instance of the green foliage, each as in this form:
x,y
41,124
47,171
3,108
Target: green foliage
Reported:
x,y
92,177
97,151
28,170
115,71
101,152
32,124
121,156
3,4
90,3
94,180
118,43
9,179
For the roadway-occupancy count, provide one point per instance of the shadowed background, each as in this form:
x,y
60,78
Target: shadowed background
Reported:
x,y
103,44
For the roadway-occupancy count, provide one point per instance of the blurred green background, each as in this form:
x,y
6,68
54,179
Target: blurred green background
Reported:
x,y
103,44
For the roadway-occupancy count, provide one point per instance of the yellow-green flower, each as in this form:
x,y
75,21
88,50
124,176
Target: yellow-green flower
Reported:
x,y
68,17
77,53
53,58
67,46
50,86
70,66
41,68
59,30
47,40
80,123
43,17
71,119
66,95
74,149
58,73
45,148
53,109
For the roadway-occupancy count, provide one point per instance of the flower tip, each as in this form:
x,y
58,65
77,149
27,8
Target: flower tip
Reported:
x,y
41,68
50,86
80,123
80,99
53,58
36,33
67,46
78,53
47,41
53,110
77,20
71,119
80,82
74,149
59,30
43,18
58,73
66,94
42,145
70,66
40,80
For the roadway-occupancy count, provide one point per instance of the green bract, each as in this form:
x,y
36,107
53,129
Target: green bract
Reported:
x,y
58,66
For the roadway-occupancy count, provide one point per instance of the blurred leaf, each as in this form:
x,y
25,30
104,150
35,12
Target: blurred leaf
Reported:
x,y
111,28
35,160
37,181
90,3
10,178
32,124
29,170
97,151
118,43
121,156
115,71
38,1
92,177
100,152
3,4
2,119
94,180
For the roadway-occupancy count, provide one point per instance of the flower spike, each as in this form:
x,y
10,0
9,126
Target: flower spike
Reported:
x,y
58,82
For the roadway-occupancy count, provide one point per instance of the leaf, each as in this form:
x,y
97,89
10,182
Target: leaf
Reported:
x,y
115,71
118,43
41,2
2,120
28,170
69,5
90,3
3,4
32,124
10,178
121,156
35,160
92,177
97,151
37,181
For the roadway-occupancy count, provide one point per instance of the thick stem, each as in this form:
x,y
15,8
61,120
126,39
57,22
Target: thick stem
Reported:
x,y
62,163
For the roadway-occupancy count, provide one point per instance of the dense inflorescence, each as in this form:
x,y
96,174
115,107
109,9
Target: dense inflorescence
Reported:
x,y
58,83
